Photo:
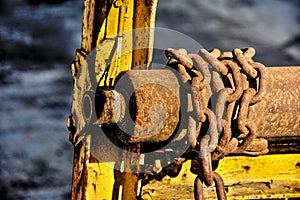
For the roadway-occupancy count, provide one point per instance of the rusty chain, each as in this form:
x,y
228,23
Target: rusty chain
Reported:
x,y
236,82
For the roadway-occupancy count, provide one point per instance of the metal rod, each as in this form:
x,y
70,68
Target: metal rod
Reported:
x,y
278,114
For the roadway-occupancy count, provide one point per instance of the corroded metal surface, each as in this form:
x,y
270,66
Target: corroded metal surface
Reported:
x,y
144,103
94,15
109,106
143,19
279,114
152,104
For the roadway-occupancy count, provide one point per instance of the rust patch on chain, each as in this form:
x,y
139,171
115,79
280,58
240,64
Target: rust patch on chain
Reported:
x,y
198,189
219,183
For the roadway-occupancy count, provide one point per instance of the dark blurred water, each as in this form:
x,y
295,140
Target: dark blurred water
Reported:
x,y
37,43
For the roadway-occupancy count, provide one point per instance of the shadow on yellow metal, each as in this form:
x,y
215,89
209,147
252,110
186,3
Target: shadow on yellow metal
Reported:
x,y
264,177
112,42
128,48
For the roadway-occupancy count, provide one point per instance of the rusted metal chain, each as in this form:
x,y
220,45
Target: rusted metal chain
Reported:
x,y
219,183
198,189
206,161
213,60
237,82
202,66
242,60
262,82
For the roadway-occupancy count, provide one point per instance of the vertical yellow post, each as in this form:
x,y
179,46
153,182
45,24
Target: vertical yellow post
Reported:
x,y
106,28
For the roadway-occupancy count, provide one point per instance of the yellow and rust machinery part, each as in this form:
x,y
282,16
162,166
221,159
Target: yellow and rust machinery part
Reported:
x,y
105,24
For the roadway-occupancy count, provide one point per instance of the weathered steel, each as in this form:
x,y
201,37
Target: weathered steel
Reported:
x,y
156,104
278,115
94,15
284,144
146,102
133,77
109,106
143,20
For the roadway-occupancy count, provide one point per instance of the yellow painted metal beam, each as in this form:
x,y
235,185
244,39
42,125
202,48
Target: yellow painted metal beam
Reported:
x,y
264,177
108,31
129,28
100,180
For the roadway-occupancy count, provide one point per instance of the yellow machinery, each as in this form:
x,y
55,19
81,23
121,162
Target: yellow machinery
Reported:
x,y
114,87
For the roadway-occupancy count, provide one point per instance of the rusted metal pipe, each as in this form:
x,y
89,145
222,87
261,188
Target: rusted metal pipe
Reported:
x,y
278,115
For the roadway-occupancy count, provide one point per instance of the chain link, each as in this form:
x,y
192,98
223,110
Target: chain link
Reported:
x,y
236,82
